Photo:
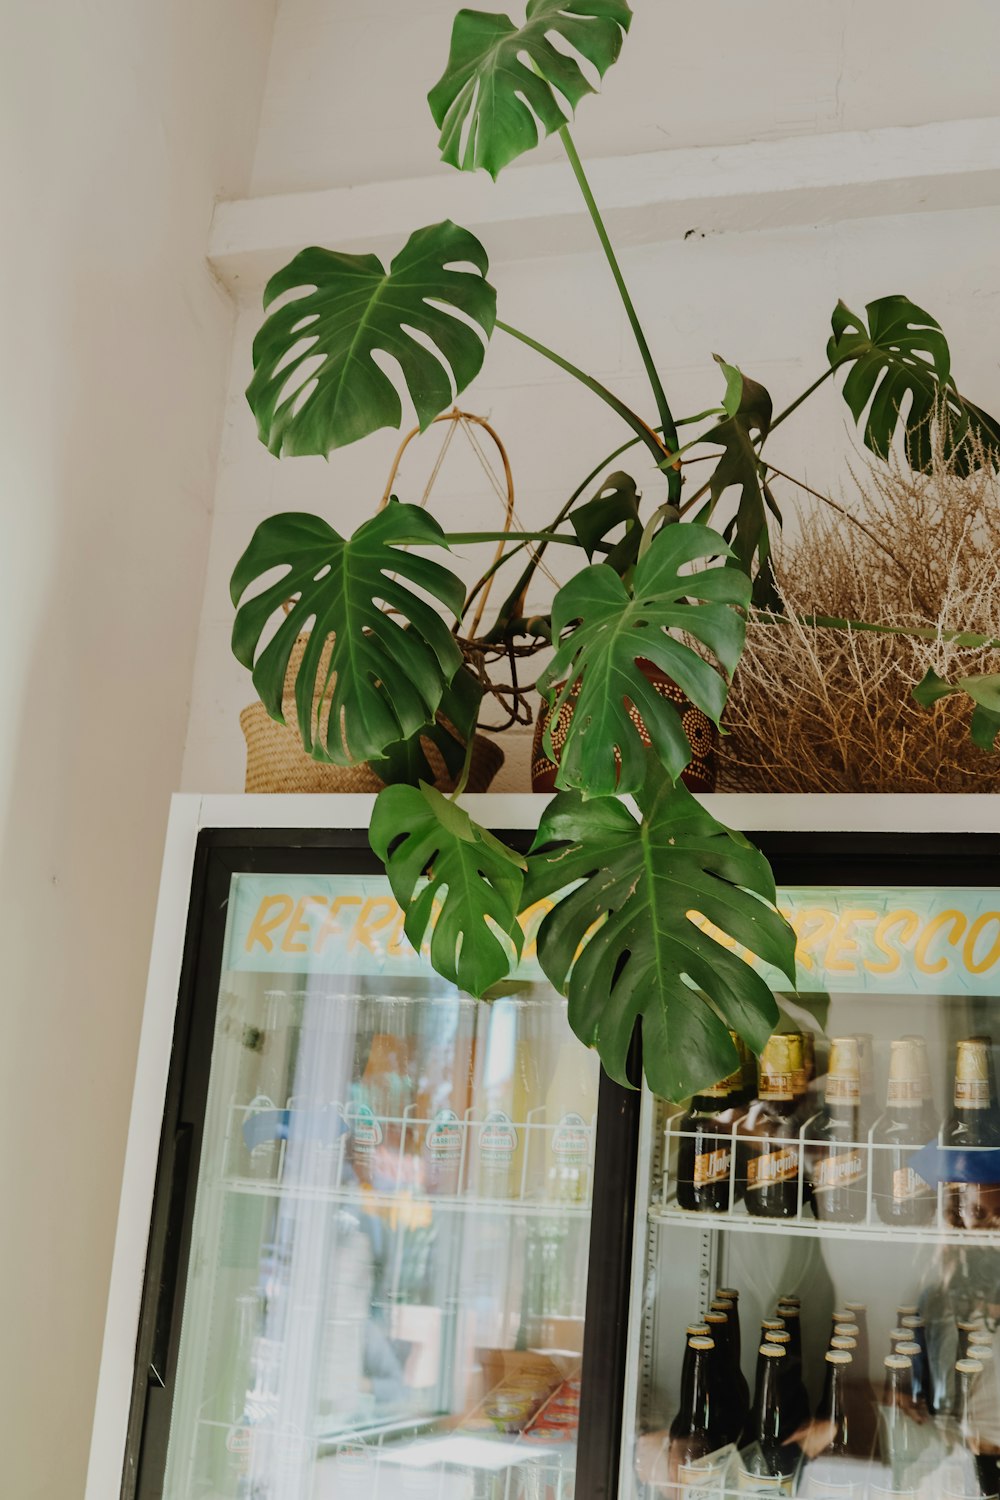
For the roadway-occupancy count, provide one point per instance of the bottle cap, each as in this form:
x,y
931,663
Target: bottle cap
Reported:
x,y
980,1336
968,1367
912,1322
842,1343
696,1330
856,1307
716,1320
791,1301
837,1357
727,1291
846,1330
911,1350
772,1351
896,1362
774,1336
843,1316
970,1325
786,1312
701,1343
900,1334
907,1311
722,1304
777,1324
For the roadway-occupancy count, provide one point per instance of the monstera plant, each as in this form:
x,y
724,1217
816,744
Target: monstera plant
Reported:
x,y
654,907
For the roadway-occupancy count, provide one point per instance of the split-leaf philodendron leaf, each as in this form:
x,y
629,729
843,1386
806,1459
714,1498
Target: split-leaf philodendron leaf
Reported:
x,y
368,677
472,897
316,385
615,504
746,426
901,359
623,945
618,627
503,80
407,760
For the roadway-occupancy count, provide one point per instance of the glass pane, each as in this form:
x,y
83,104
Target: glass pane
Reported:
x,y
856,1172
389,1260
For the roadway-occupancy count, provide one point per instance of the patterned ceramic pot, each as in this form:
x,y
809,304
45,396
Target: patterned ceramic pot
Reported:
x,y
698,776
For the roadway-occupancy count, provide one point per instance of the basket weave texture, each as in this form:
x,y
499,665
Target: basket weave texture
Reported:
x,y
278,762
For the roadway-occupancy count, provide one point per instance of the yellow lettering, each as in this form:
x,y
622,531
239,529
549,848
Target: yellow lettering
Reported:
x,y
842,943
951,918
909,922
812,927
264,923
979,966
330,922
367,925
296,924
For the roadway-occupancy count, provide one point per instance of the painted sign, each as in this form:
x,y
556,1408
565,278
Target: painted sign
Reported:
x,y
888,941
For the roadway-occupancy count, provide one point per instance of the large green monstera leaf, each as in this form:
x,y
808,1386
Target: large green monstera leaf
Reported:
x,y
368,678
901,360
316,385
617,628
623,945
745,427
472,897
503,80
407,760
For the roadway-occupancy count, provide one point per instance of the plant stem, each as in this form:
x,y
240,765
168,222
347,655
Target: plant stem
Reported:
x,y
968,638
659,394
467,538
644,433
777,421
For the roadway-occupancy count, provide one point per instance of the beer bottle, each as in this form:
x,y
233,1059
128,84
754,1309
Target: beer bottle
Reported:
x,y
727,1301
972,1127
734,1391
898,1444
901,1195
794,1400
859,1316
836,1462
923,1392
838,1160
698,1428
768,1137
704,1151
908,1310
770,1458
866,1068
920,1375
966,1328
968,1373
930,1116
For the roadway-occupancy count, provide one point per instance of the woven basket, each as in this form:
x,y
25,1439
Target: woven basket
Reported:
x,y
278,762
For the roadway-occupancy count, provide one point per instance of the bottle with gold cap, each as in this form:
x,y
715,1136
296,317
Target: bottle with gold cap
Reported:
x,y
698,1429
704,1148
768,1142
901,1194
769,1462
838,1157
972,1127
931,1121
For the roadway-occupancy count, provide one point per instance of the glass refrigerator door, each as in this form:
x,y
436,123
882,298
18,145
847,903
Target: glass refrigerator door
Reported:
x,y
385,1290
816,1288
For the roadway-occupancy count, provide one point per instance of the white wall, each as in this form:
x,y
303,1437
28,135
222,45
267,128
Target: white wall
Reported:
x,y
120,123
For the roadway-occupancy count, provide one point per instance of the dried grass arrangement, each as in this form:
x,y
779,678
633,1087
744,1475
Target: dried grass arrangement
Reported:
x,y
815,709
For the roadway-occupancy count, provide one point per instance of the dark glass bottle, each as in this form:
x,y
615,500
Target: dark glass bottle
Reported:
x,y
768,1137
968,1373
698,1428
794,1400
704,1150
736,1387
901,1195
845,1449
972,1127
769,1457
923,1388
838,1157
920,1375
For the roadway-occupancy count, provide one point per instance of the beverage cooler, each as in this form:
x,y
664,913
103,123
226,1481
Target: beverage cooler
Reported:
x,y
378,1239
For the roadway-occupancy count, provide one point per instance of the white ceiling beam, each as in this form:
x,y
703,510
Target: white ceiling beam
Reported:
x,y
646,198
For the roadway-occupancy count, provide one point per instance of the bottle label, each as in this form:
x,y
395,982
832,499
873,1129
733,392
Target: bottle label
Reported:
x,y
497,1139
772,1166
571,1141
444,1138
907,1092
367,1130
839,1169
777,1085
972,1093
907,1185
843,1090
764,1484
239,1443
724,1087
711,1166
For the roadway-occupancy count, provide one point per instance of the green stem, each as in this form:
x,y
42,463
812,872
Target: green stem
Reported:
x,y
969,638
777,421
468,538
645,434
659,395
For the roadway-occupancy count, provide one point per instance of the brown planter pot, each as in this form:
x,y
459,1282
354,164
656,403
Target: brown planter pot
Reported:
x,y
698,775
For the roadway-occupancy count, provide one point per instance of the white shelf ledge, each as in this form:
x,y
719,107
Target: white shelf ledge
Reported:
x,y
647,198
823,1229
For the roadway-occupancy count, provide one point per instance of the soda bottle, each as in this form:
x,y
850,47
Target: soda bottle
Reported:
x,y
770,1463
972,1128
768,1137
901,1194
838,1161
698,1429
704,1149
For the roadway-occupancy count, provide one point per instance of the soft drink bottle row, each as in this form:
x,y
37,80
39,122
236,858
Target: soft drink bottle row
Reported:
x,y
854,1438
755,1142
